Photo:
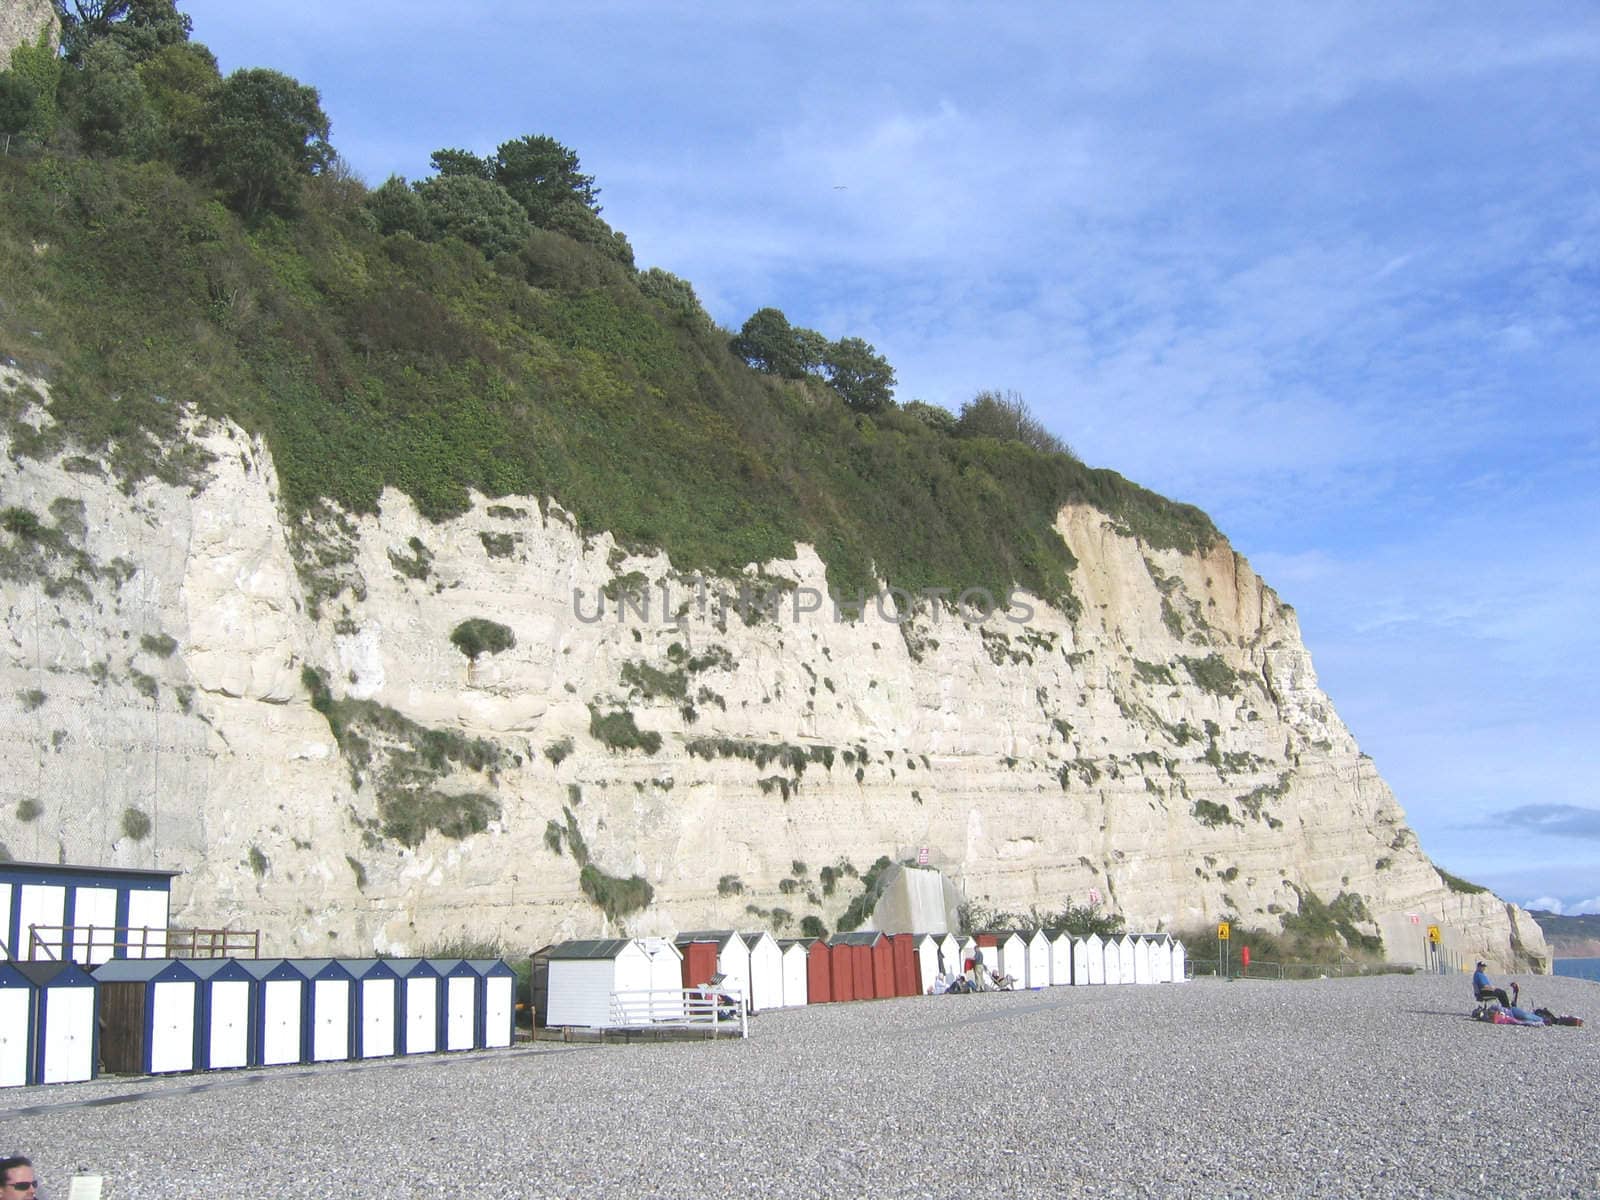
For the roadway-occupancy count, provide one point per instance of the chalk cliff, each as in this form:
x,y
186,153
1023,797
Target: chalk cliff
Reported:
x,y
281,714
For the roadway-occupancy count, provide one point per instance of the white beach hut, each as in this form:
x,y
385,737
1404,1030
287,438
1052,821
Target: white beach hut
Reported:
x,y
149,1010
1093,951
966,949
1125,951
796,971
1143,972
666,978
766,971
1180,963
1037,958
330,1003
225,991
950,954
1061,959
1160,948
1014,957
928,966
582,977
1113,962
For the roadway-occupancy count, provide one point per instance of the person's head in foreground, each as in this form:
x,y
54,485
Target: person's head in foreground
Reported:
x,y
17,1178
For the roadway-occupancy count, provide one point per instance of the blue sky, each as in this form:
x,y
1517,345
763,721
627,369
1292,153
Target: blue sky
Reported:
x,y
1329,272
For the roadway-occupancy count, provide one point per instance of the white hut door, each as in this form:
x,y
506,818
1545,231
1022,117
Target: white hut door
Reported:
x,y
460,1007
43,905
147,924
13,1036
497,1011
69,1035
280,1019
377,1018
422,1016
172,1028
229,1043
96,908
331,1037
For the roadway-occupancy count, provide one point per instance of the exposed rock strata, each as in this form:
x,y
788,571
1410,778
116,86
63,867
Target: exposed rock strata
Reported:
x,y
1169,751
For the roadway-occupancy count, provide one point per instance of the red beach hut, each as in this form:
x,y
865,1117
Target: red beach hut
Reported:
x,y
903,948
819,972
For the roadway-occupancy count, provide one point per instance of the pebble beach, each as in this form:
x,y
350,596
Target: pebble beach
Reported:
x,y
1375,1087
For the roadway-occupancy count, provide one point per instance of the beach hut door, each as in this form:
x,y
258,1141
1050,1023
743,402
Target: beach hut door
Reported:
x,y
230,1031
69,1035
13,1036
280,1041
172,1028
377,1018
497,1011
331,1038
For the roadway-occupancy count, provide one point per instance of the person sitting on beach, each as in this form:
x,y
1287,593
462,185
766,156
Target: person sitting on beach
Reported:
x,y
17,1180
1483,987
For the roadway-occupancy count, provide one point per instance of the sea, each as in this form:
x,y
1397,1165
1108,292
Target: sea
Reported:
x,y
1579,968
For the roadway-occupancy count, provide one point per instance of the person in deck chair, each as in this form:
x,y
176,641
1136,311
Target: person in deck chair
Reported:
x,y
1483,987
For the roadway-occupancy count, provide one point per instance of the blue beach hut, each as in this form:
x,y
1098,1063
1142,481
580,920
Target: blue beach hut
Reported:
x,y
16,1025
222,1037
65,1033
330,1003
458,1009
376,1007
148,1015
277,1011
497,996
418,1005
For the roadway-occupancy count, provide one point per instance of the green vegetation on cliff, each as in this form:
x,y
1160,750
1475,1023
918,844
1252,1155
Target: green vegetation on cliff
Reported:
x,y
176,241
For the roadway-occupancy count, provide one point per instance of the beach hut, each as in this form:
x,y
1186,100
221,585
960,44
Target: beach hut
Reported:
x,y
77,912
1012,954
1113,962
732,959
967,949
225,990
330,1007
666,978
1125,951
497,998
65,1041
988,951
1142,972
1081,975
907,974
871,962
149,1015
820,986
417,1019
583,976
928,964
375,1012
16,1025
766,971
843,960
1036,954
458,1003
1180,964
796,960
950,954
1060,958
278,1011
1158,953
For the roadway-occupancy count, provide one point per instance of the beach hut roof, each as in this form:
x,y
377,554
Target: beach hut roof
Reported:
x,y
144,970
720,936
864,937
590,948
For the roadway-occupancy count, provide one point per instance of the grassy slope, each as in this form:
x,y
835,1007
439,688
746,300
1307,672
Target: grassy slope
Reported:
x,y
369,362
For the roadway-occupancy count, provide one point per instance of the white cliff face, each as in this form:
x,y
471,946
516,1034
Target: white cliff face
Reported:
x,y
1168,751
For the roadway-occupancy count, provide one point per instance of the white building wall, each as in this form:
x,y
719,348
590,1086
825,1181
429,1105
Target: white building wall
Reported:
x,y
580,992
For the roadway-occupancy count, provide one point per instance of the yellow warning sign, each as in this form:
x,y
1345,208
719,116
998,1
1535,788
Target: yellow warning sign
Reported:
x,y
1222,931
1433,934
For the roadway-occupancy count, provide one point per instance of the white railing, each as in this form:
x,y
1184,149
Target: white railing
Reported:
x,y
679,1008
